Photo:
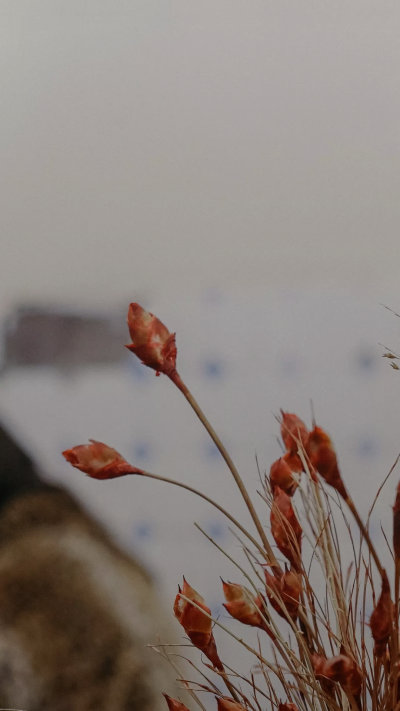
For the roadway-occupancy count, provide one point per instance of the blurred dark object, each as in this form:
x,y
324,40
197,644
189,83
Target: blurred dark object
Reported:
x,y
76,612
65,340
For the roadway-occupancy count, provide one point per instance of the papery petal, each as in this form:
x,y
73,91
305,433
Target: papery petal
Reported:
x,y
323,458
225,704
152,343
174,704
281,473
293,430
99,461
381,621
285,527
197,625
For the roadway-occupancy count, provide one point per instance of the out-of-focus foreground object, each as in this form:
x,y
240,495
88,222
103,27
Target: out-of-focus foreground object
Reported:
x,y
76,613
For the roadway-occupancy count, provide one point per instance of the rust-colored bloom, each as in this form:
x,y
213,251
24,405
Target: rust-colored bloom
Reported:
x,y
342,669
174,704
293,430
152,343
226,704
99,461
381,621
197,625
288,588
281,473
285,527
287,706
396,526
244,606
323,458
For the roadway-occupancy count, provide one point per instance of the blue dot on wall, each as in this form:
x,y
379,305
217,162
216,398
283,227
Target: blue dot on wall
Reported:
x,y
366,361
143,530
216,530
367,447
142,451
213,368
211,451
290,365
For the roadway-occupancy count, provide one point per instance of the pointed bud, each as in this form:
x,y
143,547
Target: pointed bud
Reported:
x,y
396,526
287,707
152,343
243,606
287,588
285,527
293,431
225,704
197,625
174,704
381,621
99,461
281,473
323,458
342,669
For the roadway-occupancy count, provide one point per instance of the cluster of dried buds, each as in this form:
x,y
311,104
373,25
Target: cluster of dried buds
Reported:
x,y
306,450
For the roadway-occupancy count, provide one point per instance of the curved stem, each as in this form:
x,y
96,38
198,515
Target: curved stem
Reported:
x,y
141,472
364,532
177,380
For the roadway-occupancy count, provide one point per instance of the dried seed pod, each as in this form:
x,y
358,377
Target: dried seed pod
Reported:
x,y
342,669
244,607
293,430
226,704
288,588
281,473
197,625
174,704
323,458
285,527
381,621
99,461
287,706
152,343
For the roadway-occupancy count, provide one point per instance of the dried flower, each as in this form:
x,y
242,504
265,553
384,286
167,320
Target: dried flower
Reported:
x,y
281,473
152,343
287,707
99,461
288,588
285,527
323,458
197,625
243,606
293,430
225,704
396,525
174,704
382,619
342,669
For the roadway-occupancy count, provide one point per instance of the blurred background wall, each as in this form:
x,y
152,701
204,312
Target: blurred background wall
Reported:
x,y
234,166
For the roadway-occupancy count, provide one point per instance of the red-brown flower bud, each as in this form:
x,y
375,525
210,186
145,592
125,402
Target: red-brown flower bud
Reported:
x,y
243,606
293,431
281,473
342,669
225,704
174,704
152,343
287,707
323,458
396,526
197,625
285,527
99,461
286,587
381,621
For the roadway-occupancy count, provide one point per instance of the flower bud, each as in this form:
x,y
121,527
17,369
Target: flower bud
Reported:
x,y
285,527
99,461
152,343
281,473
288,589
287,707
323,458
293,431
244,606
225,704
174,704
197,625
381,621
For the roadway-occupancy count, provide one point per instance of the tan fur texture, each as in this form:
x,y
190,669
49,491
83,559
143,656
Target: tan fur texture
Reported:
x,y
75,614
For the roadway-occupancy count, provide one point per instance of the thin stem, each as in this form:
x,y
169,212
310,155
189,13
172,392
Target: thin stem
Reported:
x,y
350,503
141,472
176,379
